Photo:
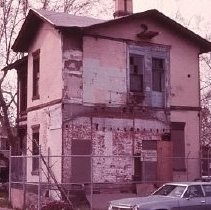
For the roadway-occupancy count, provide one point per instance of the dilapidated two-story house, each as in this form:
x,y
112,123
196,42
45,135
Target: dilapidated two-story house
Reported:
x,y
123,93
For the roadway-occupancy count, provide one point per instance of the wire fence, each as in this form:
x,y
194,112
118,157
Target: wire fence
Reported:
x,y
91,181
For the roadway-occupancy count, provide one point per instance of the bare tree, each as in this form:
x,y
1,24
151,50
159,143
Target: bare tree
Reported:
x,y
10,20
12,15
97,8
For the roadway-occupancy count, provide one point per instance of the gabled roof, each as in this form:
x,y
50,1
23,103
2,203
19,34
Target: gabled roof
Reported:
x,y
35,18
63,21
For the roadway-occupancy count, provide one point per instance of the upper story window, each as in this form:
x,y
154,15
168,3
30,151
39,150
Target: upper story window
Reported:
x,y
157,74
36,74
148,76
136,73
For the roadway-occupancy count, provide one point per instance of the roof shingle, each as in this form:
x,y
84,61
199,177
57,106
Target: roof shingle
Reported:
x,y
61,19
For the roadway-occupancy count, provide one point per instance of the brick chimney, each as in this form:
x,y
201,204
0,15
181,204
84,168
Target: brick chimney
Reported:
x,y
123,8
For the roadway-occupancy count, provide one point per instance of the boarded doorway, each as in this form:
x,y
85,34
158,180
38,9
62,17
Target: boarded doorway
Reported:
x,y
145,165
165,162
81,166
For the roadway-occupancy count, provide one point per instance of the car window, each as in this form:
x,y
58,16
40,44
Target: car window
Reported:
x,y
193,191
207,190
177,191
170,190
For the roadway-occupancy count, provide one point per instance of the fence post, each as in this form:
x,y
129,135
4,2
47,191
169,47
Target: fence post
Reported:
x,y
92,187
24,180
187,165
143,169
10,172
39,184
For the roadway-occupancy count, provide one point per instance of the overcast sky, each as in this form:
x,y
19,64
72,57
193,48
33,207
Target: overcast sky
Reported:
x,y
186,7
196,13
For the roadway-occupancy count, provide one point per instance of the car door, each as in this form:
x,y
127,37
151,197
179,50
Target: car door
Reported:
x,y
193,199
207,190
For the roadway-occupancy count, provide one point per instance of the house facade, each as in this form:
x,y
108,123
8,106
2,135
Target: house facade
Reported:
x,y
123,94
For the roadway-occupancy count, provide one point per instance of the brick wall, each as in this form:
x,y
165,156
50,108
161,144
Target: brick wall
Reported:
x,y
113,140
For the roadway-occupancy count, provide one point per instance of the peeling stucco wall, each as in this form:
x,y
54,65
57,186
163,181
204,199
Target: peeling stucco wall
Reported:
x,y
72,76
192,144
96,75
184,59
72,58
42,112
104,72
48,41
49,120
114,142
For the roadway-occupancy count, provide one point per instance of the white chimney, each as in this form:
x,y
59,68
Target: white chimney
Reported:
x,y
123,8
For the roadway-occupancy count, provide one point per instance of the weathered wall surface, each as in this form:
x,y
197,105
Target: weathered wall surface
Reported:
x,y
184,61
182,83
192,144
97,75
49,118
72,59
114,142
50,136
48,40
104,72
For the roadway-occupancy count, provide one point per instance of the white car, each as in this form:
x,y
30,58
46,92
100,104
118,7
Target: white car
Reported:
x,y
171,196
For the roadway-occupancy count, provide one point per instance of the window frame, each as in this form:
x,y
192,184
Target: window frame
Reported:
x,y
36,74
140,75
204,189
35,149
161,72
187,193
148,97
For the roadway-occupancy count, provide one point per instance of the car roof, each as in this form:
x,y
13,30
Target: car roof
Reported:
x,y
188,183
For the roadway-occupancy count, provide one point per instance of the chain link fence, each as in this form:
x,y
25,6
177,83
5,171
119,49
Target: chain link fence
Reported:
x,y
91,181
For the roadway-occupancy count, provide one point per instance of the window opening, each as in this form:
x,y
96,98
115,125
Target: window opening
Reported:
x,y
157,74
136,73
36,74
35,148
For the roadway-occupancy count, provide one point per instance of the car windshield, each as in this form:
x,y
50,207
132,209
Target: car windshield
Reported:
x,y
170,190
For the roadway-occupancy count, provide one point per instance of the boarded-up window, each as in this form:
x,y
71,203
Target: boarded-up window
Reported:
x,y
145,166
157,74
178,139
35,147
36,74
136,73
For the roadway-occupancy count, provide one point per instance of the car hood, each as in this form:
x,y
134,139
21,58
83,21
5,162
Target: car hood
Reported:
x,y
140,200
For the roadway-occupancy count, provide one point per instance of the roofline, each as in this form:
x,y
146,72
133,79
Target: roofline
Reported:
x,y
15,64
18,38
30,13
41,16
204,45
202,42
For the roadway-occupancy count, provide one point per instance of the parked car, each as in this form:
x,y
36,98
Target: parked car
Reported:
x,y
171,196
203,179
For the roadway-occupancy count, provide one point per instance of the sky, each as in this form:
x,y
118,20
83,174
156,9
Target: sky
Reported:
x,y
196,14
186,7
